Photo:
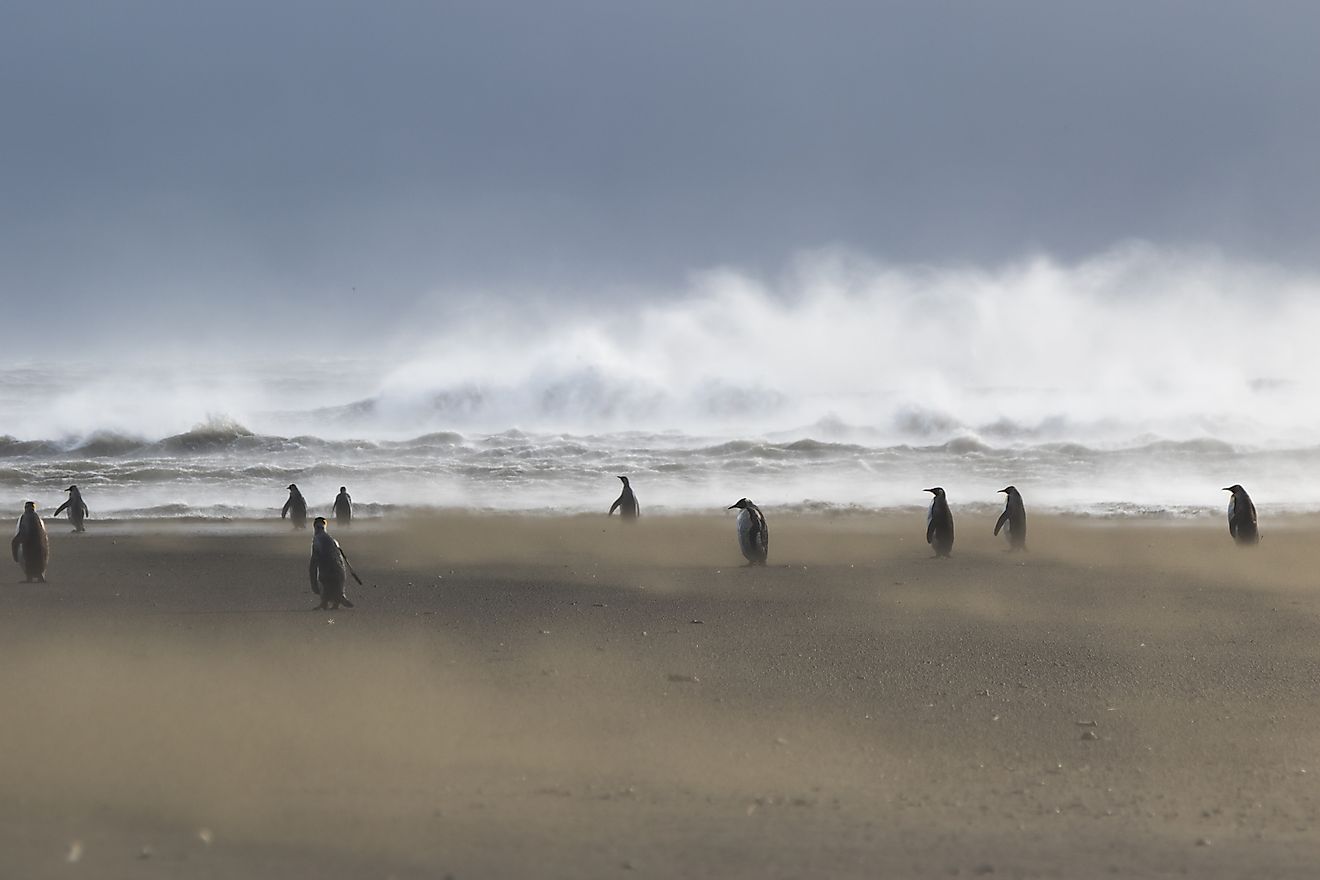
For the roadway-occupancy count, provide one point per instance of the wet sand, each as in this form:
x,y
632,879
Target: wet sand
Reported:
x,y
577,697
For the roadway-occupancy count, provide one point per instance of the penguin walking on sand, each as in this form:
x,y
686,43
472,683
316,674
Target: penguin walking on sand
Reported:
x,y
939,523
31,546
1242,517
626,503
343,507
295,508
1015,517
753,534
76,507
327,569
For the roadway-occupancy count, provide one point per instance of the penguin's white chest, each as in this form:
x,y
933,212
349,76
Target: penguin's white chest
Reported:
x,y
745,529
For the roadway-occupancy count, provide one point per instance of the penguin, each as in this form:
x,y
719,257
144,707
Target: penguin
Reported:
x,y
327,567
627,503
1241,517
77,508
295,508
343,507
1015,517
939,523
31,546
753,534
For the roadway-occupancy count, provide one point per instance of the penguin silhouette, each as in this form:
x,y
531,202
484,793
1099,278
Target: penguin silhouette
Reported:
x,y
753,533
1242,517
939,523
1015,517
626,503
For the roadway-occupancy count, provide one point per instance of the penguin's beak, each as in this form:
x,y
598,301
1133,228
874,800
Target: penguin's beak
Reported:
x,y
1002,491
1226,489
731,507
931,491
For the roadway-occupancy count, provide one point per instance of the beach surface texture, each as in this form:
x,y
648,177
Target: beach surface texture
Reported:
x,y
573,696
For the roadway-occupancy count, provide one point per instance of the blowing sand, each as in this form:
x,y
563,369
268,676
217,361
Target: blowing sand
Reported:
x,y
575,697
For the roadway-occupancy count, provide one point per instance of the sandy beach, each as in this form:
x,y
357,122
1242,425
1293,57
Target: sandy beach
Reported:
x,y
577,697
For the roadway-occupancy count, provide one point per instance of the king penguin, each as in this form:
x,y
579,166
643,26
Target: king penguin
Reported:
x,y
753,534
327,567
1241,517
343,507
76,507
295,508
939,523
31,547
1015,517
626,503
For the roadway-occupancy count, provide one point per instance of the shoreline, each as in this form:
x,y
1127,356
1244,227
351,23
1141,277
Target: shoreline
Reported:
x,y
967,517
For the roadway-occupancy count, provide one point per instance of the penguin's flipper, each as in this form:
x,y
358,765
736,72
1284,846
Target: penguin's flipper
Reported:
x,y
930,531
615,505
16,545
344,556
60,509
311,574
1003,518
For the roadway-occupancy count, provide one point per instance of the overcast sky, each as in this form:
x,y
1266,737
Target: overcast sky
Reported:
x,y
161,158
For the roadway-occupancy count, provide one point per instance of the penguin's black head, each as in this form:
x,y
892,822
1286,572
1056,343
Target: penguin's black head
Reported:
x,y
937,492
343,488
1235,488
1009,490
71,489
625,480
318,523
741,505
29,505
293,487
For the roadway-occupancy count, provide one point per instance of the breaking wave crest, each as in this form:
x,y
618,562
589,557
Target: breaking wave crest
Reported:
x,y
1136,378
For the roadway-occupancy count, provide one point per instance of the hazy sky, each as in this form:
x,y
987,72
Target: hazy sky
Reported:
x,y
162,162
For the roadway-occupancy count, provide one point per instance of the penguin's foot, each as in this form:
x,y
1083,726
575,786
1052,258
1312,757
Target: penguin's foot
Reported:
x,y
41,580
347,604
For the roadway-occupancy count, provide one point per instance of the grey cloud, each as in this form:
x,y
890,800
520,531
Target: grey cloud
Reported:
x,y
157,155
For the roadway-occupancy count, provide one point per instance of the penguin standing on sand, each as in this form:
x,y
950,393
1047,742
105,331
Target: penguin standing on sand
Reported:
x,y
753,534
295,508
343,507
77,509
1241,516
327,568
31,547
939,523
626,503
1015,517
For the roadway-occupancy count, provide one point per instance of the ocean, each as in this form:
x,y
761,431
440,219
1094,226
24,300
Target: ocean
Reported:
x,y
1134,384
